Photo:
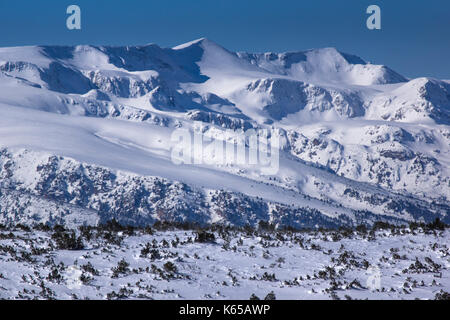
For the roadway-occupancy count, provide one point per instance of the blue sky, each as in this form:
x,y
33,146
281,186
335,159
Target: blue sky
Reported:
x,y
414,40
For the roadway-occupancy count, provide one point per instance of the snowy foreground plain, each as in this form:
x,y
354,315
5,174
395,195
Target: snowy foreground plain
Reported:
x,y
112,262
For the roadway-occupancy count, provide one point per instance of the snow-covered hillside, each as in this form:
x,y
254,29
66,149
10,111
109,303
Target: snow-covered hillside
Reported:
x,y
85,135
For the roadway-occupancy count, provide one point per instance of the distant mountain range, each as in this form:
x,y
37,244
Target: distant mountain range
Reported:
x,y
85,136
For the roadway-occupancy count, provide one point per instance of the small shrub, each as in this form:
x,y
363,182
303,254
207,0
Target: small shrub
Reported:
x,y
122,268
90,268
442,295
270,296
67,240
204,237
254,297
437,224
54,275
86,279
170,267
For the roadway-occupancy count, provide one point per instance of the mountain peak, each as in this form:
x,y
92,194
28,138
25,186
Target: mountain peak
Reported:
x,y
201,41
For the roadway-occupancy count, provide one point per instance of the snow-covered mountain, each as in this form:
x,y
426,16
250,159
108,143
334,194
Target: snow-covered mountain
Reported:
x,y
85,136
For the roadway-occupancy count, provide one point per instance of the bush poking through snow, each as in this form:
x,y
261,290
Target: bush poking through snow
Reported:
x,y
122,268
204,237
270,296
170,267
67,240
